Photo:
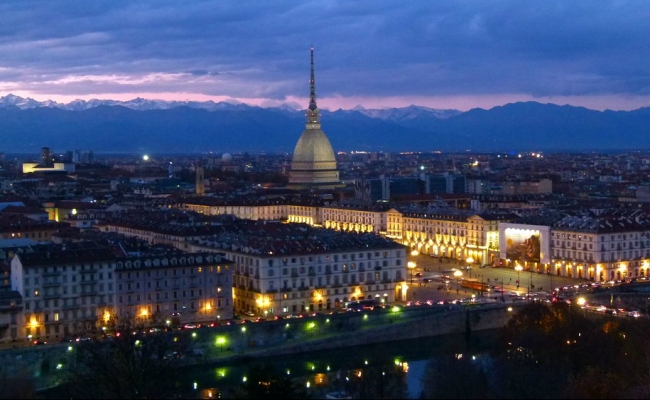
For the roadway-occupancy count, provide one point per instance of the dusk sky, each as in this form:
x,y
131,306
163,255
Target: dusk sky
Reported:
x,y
377,54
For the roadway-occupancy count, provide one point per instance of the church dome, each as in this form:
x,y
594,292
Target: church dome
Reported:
x,y
314,148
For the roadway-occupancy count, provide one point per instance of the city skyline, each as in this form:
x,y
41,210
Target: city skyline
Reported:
x,y
444,55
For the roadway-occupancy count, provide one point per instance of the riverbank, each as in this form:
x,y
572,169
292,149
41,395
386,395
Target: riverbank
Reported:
x,y
211,347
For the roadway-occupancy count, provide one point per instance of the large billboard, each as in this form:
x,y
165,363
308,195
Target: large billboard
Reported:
x,y
524,243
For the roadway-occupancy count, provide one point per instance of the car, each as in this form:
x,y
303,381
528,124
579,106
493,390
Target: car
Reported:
x,y
260,319
278,317
419,275
38,342
634,314
483,266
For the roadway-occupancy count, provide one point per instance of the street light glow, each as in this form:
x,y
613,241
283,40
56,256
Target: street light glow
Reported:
x,y
411,266
458,274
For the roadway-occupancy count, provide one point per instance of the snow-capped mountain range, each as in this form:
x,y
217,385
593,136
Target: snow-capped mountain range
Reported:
x,y
140,104
142,125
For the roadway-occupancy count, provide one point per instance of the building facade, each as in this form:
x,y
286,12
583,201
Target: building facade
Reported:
x,y
76,288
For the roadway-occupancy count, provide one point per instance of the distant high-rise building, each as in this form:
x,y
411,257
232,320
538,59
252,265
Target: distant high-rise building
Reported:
x,y
47,158
445,182
313,164
200,179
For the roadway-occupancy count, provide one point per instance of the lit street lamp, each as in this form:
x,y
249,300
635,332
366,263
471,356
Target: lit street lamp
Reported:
x,y
458,274
411,265
469,261
220,341
518,268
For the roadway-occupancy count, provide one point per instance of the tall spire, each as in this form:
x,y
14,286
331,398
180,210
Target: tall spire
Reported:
x,y
313,114
312,84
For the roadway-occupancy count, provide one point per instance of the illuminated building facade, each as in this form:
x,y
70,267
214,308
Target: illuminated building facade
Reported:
x,y
321,271
77,287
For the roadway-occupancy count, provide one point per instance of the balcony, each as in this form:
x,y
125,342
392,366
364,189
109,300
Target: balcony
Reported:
x,y
51,273
51,284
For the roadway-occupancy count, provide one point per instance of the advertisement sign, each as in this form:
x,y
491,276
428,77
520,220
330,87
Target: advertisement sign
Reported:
x,y
523,245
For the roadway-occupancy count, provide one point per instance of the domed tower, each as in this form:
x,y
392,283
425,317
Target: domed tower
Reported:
x,y
313,164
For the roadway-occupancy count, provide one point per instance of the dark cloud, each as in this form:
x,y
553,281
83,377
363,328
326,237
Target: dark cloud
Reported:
x,y
363,49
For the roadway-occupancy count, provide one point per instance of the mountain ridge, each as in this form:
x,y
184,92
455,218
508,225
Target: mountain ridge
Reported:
x,y
190,127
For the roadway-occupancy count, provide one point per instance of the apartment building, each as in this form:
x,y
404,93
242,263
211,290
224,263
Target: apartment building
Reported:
x,y
282,269
72,288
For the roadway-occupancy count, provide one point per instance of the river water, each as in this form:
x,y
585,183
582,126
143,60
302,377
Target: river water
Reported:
x,y
322,371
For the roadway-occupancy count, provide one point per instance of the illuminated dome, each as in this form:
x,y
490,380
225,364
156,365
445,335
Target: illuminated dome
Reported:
x,y
313,150
313,164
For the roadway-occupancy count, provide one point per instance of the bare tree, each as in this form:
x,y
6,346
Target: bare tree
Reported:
x,y
134,360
